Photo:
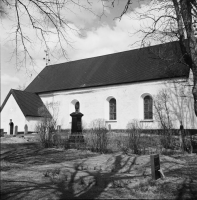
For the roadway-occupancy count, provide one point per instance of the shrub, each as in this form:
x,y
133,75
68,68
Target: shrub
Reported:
x,y
46,135
96,138
134,130
167,139
47,127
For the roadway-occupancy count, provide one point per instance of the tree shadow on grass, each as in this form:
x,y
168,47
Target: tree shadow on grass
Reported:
x,y
74,188
34,154
188,188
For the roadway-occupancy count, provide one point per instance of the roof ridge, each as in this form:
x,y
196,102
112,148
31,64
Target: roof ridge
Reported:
x,y
130,66
141,48
22,91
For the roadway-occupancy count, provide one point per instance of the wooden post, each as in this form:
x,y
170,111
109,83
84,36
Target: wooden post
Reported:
x,y
155,166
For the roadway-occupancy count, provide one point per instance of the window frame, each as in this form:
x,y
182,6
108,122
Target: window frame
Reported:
x,y
112,109
148,107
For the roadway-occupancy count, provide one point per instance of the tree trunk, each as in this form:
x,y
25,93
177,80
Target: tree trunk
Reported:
x,y
194,89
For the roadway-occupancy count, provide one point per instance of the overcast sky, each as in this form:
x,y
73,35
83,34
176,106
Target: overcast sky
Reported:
x,y
98,37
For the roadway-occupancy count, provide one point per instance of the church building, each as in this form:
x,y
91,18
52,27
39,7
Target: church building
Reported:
x,y
117,87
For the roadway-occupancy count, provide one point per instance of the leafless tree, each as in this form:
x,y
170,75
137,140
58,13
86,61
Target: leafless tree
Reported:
x,y
171,20
21,87
46,18
163,112
46,128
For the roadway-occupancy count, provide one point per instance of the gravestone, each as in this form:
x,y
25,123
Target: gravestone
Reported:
x,y
25,129
155,166
11,127
46,134
76,127
15,130
58,128
109,127
1,132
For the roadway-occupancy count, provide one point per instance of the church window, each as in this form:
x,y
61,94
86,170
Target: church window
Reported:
x,y
77,106
148,107
112,109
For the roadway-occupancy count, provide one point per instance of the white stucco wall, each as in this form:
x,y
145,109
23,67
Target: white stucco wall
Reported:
x,y
11,110
94,103
32,122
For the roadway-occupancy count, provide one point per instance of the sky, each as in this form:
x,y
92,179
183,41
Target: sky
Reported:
x,y
94,36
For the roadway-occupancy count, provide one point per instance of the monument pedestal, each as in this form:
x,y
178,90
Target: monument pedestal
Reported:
x,y
76,137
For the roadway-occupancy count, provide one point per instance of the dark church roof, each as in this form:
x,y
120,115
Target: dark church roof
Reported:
x,y
146,64
29,103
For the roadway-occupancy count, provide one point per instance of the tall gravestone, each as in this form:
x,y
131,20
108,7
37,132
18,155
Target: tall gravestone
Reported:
x,y
76,128
25,129
11,124
155,166
15,130
58,128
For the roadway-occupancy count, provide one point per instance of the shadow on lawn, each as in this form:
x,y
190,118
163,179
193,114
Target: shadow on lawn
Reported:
x,y
64,189
188,189
77,188
34,154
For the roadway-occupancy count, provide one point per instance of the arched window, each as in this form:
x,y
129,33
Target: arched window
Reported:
x,y
148,107
77,106
112,109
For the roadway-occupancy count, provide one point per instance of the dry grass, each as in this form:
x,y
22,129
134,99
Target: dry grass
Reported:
x,y
30,172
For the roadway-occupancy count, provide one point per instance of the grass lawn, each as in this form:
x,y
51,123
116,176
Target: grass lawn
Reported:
x,y
30,172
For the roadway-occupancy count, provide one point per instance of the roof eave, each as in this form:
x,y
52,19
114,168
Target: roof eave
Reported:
x,y
94,86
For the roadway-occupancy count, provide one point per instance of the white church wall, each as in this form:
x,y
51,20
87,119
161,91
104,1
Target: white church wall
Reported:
x,y
32,123
11,110
94,103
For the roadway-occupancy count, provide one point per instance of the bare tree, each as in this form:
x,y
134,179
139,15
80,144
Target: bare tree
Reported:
x,y
171,20
46,128
163,112
21,87
46,18
173,106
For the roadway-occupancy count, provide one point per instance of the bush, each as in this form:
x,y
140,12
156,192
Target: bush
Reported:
x,y
47,127
46,135
167,139
134,130
96,138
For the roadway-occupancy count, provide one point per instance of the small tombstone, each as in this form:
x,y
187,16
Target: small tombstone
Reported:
x,y
25,129
15,130
47,134
58,128
11,127
155,166
109,126
1,132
